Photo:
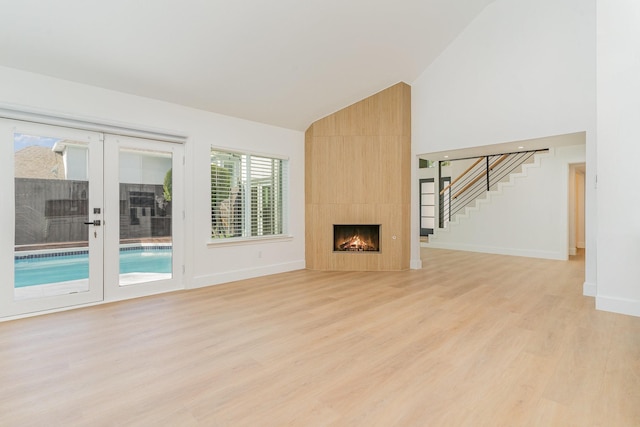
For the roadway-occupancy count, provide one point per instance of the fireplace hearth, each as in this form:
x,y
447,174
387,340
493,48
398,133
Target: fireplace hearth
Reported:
x,y
356,237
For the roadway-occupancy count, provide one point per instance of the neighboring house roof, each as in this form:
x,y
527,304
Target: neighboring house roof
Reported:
x,y
38,162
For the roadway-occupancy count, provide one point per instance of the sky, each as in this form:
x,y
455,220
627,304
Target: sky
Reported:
x,y
21,141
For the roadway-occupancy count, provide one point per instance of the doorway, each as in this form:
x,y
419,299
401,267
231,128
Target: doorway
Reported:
x,y
576,193
89,217
427,206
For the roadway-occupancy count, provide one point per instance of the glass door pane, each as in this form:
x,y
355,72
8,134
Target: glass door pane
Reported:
x,y
146,244
142,196
56,209
51,212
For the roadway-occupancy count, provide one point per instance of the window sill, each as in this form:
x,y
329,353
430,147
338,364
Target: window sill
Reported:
x,y
237,241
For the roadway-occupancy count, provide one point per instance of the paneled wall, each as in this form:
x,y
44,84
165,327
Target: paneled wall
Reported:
x,y
357,164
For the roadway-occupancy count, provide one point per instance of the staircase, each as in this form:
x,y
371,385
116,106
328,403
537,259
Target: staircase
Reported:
x,y
475,185
529,212
515,211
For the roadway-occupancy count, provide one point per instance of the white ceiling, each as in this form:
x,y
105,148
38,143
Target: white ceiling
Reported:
x,y
281,62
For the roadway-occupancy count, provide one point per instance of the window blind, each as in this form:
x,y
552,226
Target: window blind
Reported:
x,y
248,195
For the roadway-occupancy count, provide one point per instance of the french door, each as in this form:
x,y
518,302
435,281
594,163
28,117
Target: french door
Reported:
x,y
142,183
86,217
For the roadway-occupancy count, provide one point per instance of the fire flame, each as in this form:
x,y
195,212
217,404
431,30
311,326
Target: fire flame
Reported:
x,y
355,243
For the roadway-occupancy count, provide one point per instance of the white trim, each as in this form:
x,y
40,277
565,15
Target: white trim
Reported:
x,y
74,307
115,289
33,115
9,305
589,289
618,305
237,241
248,152
497,250
415,264
247,273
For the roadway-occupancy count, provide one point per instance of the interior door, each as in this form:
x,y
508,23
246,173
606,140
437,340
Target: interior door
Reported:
x,y
52,231
144,210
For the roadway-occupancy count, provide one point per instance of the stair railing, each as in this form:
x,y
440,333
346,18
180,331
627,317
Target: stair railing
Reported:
x,y
482,176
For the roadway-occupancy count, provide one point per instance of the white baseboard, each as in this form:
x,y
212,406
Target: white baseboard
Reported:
x,y
498,250
248,273
618,305
589,289
415,264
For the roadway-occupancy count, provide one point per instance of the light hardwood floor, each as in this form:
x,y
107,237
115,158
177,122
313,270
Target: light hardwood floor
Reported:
x,y
470,340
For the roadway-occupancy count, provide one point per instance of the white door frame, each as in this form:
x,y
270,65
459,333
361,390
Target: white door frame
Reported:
x,y
113,290
9,306
104,239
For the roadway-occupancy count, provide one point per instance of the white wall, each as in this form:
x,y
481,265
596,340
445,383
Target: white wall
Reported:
x,y
205,264
529,218
522,69
459,166
618,153
426,173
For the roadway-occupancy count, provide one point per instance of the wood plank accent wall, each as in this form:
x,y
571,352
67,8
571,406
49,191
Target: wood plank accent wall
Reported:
x,y
357,171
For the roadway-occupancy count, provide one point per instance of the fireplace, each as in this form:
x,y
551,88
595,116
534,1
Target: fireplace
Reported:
x,y
356,237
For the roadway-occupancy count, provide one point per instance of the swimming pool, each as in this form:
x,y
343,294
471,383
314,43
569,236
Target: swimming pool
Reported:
x,y
31,270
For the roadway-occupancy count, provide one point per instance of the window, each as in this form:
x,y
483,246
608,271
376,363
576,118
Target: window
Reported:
x,y
248,195
424,163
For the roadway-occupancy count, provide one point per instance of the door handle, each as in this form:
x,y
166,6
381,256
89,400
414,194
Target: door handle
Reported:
x,y
97,223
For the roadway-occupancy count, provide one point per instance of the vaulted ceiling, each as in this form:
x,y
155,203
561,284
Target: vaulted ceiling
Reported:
x,y
280,62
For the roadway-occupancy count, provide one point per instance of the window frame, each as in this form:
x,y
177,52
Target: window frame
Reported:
x,y
247,202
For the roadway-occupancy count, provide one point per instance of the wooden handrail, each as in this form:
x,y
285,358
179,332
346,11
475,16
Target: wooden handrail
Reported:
x,y
461,175
477,178
497,162
473,181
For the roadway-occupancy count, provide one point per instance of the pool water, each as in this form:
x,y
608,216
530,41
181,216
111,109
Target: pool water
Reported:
x,y
53,269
